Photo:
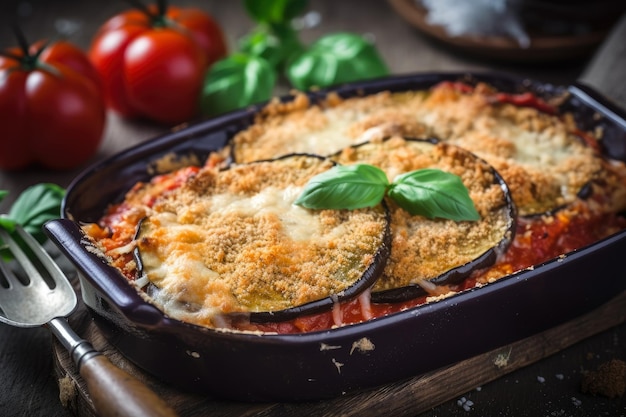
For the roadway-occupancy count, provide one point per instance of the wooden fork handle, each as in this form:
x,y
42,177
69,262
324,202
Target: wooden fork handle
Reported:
x,y
116,393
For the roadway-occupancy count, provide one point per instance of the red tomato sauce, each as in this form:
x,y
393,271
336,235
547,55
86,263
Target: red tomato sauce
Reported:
x,y
536,241
526,99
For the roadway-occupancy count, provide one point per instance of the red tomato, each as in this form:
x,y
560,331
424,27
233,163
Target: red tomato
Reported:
x,y
153,62
51,107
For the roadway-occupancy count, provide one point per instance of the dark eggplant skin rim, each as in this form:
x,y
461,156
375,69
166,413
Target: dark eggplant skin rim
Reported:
x,y
583,193
367,279
461,272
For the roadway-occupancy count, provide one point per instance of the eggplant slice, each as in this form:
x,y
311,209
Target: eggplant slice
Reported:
x,y
437,251
232,242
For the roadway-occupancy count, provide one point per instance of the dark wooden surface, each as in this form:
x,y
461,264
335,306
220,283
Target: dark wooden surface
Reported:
x,y
410,397
550,387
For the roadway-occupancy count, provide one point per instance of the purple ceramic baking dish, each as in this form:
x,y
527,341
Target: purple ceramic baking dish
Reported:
x,y
330,363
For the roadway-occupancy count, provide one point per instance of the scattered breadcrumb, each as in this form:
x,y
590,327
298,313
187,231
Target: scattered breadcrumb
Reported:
x,y
362,345
338,365
502,359
67,390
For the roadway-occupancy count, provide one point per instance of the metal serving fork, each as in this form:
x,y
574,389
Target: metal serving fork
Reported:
x,y
42,303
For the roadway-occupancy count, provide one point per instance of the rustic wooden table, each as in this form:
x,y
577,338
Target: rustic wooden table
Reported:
x,y
550,387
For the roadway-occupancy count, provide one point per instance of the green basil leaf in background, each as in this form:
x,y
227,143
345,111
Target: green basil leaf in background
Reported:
x,y
236,81
275,44
5,222
345,187
275,11
433,193
335,59
34,207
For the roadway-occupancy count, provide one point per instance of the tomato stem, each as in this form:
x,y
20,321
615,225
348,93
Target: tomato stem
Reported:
x,y
162,7
157,18
35,56
28,61
21,39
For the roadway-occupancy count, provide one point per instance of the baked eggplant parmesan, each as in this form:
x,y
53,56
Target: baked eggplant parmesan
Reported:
x,y
541,186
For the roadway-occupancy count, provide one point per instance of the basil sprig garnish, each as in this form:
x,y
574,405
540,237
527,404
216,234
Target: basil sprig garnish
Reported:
x,y
235,82
272,53
33,207
431,193
345,187
334,59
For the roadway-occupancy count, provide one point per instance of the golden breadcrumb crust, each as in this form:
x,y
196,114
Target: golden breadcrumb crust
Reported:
x,y
539,155
247,254
426,248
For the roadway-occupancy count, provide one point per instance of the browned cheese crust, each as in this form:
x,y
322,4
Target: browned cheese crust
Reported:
x,y
544,163
232,241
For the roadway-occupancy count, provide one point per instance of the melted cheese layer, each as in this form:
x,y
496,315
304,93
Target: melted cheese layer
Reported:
x,y
299,223
232,241
544,163
421,248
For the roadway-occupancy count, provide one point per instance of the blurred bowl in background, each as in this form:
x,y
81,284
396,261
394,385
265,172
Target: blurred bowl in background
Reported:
x,y
529,31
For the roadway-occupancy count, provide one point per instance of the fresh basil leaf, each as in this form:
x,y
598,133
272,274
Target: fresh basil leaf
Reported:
x,y
334,59
275,11
345,187
235,82
274,43
33,207
433,193
6,223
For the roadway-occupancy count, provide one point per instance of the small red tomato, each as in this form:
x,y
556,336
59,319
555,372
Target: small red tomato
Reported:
x,y
52,111
153,61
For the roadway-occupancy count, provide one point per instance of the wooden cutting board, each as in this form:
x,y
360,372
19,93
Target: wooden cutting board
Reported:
x,y
409,397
